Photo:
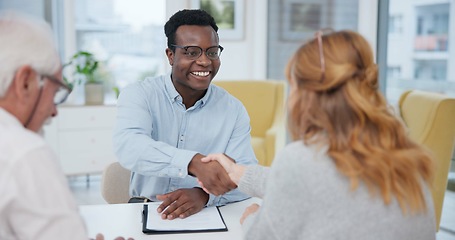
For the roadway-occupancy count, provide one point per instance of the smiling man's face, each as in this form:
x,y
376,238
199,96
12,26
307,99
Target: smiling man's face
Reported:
x,y
189,75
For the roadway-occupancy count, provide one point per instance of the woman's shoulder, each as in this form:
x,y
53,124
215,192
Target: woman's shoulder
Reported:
x,y
299,149
303,155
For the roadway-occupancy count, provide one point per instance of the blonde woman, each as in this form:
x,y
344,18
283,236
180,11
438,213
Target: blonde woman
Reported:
x,y
352,172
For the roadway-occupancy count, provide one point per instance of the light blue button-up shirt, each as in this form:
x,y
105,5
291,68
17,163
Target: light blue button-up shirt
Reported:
x,y
156,136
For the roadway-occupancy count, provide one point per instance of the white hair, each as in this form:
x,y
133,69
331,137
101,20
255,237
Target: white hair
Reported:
x,y
25,41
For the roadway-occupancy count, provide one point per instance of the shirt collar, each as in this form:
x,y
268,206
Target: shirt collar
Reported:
x,y
205,98
175,96
171,91
9,119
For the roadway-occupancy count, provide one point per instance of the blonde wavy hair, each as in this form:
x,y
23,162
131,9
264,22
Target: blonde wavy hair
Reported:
x,y
334,100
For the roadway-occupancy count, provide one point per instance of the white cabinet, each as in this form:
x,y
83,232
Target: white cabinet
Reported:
x,y
81,136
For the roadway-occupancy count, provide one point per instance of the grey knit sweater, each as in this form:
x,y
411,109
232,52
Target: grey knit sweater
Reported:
x,y
305,197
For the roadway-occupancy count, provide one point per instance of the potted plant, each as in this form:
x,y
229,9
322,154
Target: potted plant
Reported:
x,y
85,67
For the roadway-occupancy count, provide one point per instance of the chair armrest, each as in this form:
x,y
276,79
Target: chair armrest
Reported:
x,y
275,138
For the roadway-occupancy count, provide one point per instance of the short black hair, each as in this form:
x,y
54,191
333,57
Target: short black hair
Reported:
x,y
187,17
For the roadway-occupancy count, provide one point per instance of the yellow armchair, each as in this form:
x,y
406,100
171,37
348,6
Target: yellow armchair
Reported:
x,y
264,101
430,118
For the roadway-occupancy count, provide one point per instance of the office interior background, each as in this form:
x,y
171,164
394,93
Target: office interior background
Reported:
x,y
411,40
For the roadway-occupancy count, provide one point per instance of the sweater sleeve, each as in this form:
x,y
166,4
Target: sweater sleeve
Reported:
x,y
253,181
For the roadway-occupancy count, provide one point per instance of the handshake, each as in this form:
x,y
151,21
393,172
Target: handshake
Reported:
x,y
216,173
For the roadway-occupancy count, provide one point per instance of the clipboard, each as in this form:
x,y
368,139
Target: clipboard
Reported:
x,y
188,229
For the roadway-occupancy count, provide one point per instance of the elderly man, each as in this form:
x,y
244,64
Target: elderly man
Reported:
x,y
36,202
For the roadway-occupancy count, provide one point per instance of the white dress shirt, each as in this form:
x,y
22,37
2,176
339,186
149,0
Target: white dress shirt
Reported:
x,y
35,201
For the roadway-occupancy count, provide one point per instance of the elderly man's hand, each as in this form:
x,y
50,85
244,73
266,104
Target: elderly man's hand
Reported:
x,y
100,236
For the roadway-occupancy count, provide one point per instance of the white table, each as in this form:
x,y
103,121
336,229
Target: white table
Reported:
x,y
115,220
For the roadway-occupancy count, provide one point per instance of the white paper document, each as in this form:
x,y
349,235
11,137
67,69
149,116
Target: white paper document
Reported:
x,y
208,218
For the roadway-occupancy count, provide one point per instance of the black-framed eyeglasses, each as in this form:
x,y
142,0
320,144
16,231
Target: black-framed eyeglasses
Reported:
x,y
194,52
63,91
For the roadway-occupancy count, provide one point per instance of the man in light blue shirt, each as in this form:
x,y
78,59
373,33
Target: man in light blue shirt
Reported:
x,y
166,124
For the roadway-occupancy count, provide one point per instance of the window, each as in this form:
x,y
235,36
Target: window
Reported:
x,y
292,22
126,36
432,27
395,24
419,26
430,70
423,56
35,8
394,72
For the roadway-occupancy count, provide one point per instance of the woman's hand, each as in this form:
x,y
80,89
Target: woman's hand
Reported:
x,y
248,211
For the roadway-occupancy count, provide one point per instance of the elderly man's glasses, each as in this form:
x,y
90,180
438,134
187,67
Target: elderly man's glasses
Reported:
x,y
194,52
62,92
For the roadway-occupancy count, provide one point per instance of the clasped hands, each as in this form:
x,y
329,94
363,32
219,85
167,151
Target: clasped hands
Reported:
x,y
235,172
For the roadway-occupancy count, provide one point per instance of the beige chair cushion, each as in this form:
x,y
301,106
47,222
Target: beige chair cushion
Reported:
x,y
115,184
